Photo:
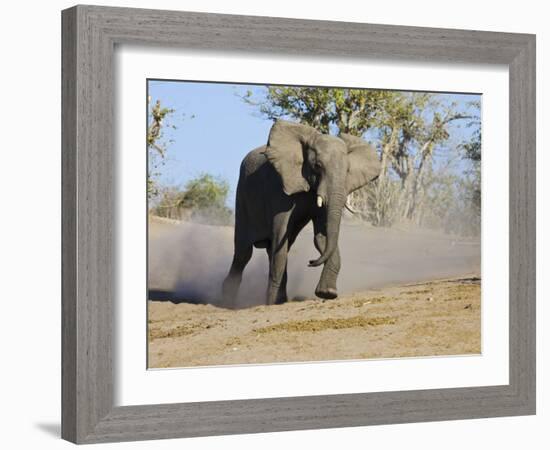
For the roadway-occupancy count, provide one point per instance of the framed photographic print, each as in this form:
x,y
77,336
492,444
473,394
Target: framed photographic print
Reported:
x,y
264,229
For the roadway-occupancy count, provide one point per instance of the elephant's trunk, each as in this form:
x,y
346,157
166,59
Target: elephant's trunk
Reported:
x,y
335,204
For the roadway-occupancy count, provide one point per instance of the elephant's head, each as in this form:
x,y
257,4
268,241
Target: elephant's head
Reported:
x,y
333,167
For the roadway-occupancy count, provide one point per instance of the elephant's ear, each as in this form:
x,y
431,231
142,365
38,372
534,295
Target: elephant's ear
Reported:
x,y
285,150
364,165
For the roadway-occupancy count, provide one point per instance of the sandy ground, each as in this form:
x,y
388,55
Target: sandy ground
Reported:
x,y
402,293
426,319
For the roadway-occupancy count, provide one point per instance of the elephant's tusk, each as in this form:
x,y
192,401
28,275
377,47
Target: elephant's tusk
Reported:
x,y
319,201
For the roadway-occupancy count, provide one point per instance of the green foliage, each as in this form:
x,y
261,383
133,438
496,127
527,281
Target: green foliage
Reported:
x,y
203,192
473,147
202,200
351,111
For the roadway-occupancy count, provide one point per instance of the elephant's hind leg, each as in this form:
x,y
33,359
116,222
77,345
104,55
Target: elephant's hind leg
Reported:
x,y
232,281
278,253
276,294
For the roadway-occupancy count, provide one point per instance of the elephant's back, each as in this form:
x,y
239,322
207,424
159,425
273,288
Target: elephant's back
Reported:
x,y
257,176
253,161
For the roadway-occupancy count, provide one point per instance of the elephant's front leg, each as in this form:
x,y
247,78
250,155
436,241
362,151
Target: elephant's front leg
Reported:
x,y
326,288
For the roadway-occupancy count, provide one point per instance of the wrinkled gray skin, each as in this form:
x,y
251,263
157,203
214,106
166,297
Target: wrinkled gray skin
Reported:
x,y
281,186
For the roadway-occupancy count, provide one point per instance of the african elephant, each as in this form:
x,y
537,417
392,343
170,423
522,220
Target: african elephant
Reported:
x,y
300,175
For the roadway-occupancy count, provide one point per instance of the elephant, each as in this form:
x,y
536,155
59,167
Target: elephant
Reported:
x,y
301,175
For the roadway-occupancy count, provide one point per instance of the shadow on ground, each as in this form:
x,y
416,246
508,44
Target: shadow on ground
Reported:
x,y
161,295
53,429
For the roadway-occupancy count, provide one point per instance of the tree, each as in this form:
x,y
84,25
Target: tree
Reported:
x,y
351,111
203,199
406,127
156,143
472,148
472,179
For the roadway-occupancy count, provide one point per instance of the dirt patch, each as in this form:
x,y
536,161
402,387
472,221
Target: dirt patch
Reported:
x,y
158,333
439,317
358,303
327,324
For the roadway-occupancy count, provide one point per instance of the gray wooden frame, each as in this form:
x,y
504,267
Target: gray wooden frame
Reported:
x,y
89,37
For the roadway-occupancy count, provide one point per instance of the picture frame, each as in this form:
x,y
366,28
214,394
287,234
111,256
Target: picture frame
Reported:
x,y
89,37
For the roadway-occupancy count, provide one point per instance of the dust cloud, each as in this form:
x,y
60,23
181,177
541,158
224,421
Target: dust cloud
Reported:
x,y
187,262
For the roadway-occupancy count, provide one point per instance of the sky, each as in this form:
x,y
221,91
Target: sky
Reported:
x,y
215,129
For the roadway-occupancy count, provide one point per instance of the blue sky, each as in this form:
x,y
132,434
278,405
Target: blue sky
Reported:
x,y
216,129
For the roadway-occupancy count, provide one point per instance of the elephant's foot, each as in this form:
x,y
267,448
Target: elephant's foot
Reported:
x,y
230,289
326,287
276,299
276,296
327,293
281,299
